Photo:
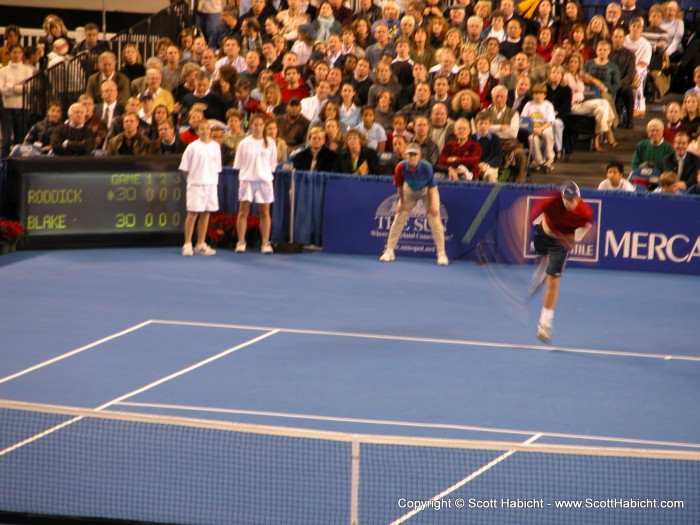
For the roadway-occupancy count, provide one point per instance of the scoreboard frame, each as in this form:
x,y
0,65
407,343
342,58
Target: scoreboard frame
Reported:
x,y
97,201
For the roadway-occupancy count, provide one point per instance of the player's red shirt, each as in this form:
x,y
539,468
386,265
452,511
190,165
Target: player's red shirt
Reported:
x,y
561,220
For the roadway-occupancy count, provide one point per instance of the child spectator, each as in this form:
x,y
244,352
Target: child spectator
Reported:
x,y
614,178
375,135
541,113
491,151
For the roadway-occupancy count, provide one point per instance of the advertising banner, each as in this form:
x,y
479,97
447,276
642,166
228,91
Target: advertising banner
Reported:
x,y
630,232
359,215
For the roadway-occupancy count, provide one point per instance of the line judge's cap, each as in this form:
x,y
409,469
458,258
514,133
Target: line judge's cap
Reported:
x,y
413,147
570,190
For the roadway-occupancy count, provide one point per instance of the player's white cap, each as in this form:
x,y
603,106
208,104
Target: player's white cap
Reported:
x,y
570,190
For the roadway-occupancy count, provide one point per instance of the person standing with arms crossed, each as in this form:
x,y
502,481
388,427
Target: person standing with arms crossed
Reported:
x,y
256,158
414,179
560,221
201,164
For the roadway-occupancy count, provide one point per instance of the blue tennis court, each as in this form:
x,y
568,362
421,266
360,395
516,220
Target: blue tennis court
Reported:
x,y
348,345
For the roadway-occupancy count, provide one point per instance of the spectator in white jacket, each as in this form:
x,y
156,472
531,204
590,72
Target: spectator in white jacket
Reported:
x,y
12,78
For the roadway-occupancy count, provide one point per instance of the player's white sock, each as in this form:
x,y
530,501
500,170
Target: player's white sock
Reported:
x,y
546,316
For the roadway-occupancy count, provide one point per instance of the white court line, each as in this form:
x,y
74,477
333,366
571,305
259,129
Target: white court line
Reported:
x,y
73,352
140,390
548,348
390,422
461,483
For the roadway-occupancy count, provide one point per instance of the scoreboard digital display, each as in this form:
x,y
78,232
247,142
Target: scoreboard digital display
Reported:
x,y
103,203
99,200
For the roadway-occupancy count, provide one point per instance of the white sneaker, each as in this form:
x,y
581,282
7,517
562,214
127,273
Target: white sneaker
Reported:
x,y
240,247
266,248
442,260
544,333
387,256
187,250
205,249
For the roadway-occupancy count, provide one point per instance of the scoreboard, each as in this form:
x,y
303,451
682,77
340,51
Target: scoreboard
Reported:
x,y
97,200
103,202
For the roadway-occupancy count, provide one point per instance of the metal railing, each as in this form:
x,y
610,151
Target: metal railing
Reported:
x,y
65,81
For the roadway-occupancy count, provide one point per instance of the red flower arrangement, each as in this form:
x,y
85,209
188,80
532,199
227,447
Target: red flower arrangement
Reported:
x,y
222,230
11,232
12,235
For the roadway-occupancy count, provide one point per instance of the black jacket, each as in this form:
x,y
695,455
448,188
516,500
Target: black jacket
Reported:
x,y
324,159
343,163
691,165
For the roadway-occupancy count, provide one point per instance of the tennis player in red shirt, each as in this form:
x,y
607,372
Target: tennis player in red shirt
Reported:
x,y
559,221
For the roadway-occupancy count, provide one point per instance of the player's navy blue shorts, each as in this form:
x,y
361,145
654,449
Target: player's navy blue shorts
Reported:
x,y
547,245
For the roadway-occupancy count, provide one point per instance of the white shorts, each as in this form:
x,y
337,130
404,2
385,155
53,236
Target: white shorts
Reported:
x,y
256,191
202,198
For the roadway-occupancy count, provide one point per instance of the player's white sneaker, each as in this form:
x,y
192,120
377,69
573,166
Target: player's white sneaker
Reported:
x,y
544,333
539,277
187,250
442,259
204,249
240,247
266,248
387,256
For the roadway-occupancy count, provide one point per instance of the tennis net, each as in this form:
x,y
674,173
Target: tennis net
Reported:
x,y
106,465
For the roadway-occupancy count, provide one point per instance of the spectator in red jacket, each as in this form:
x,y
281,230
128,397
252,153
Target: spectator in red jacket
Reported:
x,y
461,156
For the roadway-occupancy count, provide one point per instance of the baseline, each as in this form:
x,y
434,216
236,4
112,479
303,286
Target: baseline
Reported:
x,y
461,342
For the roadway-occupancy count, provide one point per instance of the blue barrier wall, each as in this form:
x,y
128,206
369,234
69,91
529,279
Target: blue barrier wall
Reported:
x,y
640,232
350,214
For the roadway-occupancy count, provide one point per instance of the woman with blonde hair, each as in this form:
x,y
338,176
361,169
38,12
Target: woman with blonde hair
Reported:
x,y
132,62
54,28
599,108
271,104
453,40
467,56
265,78
482,9
675,27
691,112
390,17
334,137
597,30
465,104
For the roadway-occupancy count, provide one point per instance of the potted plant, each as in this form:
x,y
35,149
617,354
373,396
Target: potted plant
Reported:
x,y
12,236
